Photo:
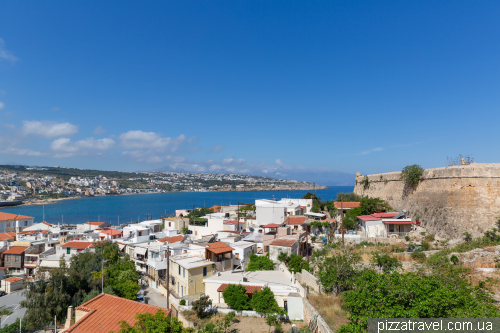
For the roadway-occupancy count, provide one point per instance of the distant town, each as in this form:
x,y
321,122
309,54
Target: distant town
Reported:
x,y
29,184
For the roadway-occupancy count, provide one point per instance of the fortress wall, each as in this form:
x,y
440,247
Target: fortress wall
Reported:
x,y
448,201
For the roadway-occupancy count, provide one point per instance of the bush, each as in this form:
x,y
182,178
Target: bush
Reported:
x,y
182,302
235,296
454,259
429,238
407,238
425,246
200,305
385,261
411,174
418,255
260,263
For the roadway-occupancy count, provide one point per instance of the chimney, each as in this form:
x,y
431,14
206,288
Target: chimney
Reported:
x,y
69,320
245,279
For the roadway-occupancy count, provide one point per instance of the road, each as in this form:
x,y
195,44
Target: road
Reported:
x,y
11,302
154,297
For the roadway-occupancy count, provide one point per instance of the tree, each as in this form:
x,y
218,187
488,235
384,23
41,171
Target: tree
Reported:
x,y
149,323
236,297
260,263
411,174
272,320
263,302
199,212
334,266
316,206
348,197
200,305
385,261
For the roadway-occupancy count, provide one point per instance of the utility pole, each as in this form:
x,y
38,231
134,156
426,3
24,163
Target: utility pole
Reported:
x,y
307,242
342,217
168,278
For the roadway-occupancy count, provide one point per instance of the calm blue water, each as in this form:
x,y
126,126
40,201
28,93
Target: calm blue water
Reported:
x,y
135,207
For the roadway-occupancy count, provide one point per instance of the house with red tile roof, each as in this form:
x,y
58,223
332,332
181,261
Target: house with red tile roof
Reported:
x,y
221,254
12,284
14,222
104,313
109,234
13,258
390,224
73,247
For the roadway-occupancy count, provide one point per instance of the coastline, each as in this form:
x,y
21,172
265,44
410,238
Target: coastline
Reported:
x,y
55,201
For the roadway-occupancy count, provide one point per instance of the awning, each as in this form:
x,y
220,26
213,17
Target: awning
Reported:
x,y
141,250
121,246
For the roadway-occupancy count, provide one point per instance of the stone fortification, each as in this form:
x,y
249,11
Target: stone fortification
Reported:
x,y
448,201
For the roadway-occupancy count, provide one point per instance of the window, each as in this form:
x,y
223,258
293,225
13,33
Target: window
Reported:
x,y
8,224
25,223
68,250
8,258
179,270
204,271
16,258
183,272
169,224
237,255
182,291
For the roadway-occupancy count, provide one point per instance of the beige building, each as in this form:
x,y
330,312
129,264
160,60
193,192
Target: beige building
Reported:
x,y
187,273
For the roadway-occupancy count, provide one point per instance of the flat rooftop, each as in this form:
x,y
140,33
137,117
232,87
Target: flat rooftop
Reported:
x,y
190,261
258,278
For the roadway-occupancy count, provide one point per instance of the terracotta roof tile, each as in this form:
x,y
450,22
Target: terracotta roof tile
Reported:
x,y
105,312
77,245
7,235
111,232
7,216
13,279
16,250
233,222
295,220
95,223
347,204
386,215
368,218
271,225
248,289
284,242
47,224
170,240
219,248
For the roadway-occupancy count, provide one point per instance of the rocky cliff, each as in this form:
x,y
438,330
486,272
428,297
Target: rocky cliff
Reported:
x,y
448,201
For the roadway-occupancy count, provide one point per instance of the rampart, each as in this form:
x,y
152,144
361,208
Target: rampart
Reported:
x,y
448,201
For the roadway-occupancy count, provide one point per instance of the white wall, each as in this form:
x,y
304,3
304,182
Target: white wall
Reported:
x,y
270,215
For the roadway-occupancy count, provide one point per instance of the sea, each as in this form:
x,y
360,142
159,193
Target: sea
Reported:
x,y
130,208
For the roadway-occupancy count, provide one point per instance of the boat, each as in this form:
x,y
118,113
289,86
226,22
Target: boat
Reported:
x,y
9,203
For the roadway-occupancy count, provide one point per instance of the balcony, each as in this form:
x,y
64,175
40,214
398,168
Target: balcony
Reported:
x,y
30,263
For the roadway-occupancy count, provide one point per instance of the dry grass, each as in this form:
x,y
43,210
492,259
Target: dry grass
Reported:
x,y
492,280
330,308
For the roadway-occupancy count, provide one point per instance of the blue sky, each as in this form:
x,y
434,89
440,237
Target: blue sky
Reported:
x,y
314,91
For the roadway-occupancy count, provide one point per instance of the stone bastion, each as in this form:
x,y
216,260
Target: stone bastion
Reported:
x,y
448,201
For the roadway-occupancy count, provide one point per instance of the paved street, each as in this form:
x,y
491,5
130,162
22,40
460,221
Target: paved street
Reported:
x,y
11,302
154,297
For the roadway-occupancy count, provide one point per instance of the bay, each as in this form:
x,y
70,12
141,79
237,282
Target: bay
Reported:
x,y
131,208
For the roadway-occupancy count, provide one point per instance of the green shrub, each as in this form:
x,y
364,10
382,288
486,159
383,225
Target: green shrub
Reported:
x,y
418,255
407,238
411,174
385,261
454,259
425,246
429,238
182,302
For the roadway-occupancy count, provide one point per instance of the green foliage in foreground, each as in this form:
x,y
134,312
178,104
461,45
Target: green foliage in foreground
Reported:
x,y
147,322
260,263
72,285
263,302
445,293
385,261
236,297
294,262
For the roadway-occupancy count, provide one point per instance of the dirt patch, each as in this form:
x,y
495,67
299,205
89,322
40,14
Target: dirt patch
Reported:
x,y
330,308
242,324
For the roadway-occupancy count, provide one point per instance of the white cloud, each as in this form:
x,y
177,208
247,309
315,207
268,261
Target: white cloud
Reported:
x,y
278,161
49,129
21,152
371,151
56,109
5,54
150,140
64,147
2,105
217,149
99,130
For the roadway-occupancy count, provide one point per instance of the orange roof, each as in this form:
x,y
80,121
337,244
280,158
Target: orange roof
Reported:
x,y
95,223
7,216
111,232
105,312
215,208
248,289
296,220
77,245
16,250
283,242
7,235
173,239
347,204
13,279
219,247
47,224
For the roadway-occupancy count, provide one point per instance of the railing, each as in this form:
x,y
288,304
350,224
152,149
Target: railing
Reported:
x,y
400,234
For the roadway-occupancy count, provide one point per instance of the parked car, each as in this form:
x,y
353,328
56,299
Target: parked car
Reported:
x,y
412,248
2,293
140,298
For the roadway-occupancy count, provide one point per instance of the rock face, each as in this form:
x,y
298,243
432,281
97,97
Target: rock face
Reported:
x,y
448,201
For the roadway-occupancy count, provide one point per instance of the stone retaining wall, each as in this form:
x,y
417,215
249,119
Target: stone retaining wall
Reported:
x,y
310,312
